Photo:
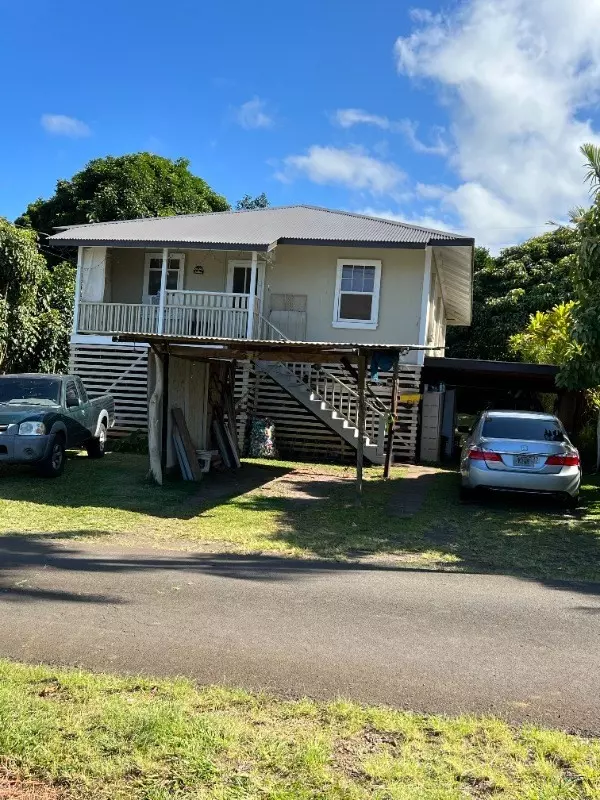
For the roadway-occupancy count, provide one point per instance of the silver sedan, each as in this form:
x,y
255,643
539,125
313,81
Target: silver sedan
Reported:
x,y
520,451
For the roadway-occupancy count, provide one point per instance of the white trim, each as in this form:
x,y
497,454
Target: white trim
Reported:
x,y
252,301
364,324
77,289
424,318
163,289
146,298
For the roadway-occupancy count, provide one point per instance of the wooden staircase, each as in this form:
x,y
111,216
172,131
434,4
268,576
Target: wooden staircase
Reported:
x,y
333,401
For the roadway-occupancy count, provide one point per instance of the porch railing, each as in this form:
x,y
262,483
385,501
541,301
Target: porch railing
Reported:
x,y
212,314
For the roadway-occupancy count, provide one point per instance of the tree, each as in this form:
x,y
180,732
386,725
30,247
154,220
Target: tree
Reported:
x,y
548,337
22,269
249,203
56,296
124,187
508,289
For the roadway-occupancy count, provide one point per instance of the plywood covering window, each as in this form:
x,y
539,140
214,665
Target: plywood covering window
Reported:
x,y
357,294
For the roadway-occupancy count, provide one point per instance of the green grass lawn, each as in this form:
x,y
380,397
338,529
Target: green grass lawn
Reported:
x,y
109,738
309,510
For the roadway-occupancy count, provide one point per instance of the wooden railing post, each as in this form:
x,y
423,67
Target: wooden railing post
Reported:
x,y
163,290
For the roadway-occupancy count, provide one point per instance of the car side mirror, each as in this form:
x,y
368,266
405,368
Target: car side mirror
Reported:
x,y
72,402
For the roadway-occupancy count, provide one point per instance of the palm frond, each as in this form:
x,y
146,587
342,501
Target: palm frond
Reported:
x,y
592,156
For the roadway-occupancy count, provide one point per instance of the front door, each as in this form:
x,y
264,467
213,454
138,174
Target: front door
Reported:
x,y
239,276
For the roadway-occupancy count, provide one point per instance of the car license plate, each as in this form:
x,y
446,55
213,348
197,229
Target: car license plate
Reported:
x,y
525,461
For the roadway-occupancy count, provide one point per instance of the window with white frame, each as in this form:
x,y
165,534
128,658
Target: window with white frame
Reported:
x,y
153,273
357,293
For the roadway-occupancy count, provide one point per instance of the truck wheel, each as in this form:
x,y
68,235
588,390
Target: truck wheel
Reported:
x,y
54,464
96,447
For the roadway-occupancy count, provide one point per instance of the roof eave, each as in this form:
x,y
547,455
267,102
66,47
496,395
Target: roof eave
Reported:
x,y
153,243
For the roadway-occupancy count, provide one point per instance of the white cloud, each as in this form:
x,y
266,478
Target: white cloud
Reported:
x,y
349,117
432,191
422,221
253,114
352,167
61,125
516,77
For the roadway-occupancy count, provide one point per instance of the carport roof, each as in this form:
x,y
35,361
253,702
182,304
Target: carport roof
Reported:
x,y
490,374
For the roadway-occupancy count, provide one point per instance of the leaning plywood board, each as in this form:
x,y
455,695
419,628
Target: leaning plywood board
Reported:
x,y
188,445
181,456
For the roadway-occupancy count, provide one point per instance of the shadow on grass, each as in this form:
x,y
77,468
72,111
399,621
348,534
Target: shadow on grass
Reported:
x,y
316,515
119,481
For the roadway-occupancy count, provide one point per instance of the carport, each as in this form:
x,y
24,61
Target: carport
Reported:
x,y
454,386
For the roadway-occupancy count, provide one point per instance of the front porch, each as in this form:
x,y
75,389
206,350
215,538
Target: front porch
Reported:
x,y
115,298
223,315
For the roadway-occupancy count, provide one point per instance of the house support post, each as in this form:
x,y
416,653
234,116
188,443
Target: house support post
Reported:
x,y
154,421
252,298
362,376
163,290
389,452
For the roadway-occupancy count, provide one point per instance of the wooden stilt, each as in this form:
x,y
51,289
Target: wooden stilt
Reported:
x,y
362,376
154,420
392,424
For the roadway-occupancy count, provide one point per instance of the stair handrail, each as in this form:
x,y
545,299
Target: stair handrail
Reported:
x,y
269,325
379,421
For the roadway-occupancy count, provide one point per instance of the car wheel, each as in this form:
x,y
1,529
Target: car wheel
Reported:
x,y
54,464
96,447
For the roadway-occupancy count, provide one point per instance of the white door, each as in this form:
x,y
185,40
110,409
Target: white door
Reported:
x,y
239,276
153,272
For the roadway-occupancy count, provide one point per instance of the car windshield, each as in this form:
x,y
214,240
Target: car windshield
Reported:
x,y
531,429
18,391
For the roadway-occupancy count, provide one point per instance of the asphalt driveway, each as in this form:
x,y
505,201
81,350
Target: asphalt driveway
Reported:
x,y
427,641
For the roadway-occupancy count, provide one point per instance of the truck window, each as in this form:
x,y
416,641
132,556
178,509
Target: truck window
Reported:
x,y
72,397
17,390
83,398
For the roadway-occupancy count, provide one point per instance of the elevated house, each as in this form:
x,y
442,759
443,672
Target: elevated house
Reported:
x,y
296,273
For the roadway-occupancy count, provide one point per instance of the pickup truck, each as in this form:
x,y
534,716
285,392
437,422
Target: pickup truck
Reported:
x,y
41,416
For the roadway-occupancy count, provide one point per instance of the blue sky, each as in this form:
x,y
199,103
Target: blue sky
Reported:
x,y
467,115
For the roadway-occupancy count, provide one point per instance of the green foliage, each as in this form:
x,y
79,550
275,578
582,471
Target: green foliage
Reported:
x,y
548,338
22,269
583,370
508,289
124,187
36,305
249,203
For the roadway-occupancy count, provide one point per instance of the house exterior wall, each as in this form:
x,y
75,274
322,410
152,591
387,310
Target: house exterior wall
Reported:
x,y
300,270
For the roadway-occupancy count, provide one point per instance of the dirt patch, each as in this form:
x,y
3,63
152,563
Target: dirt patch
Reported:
x,y
14,788
348,753
302,486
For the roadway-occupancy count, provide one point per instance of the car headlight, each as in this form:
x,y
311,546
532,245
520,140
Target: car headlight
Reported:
x,y
32,429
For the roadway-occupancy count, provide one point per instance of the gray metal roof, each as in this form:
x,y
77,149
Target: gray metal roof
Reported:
x,y
257,230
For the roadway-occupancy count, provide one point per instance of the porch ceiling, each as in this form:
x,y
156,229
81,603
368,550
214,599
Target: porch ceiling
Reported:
x,y
455,268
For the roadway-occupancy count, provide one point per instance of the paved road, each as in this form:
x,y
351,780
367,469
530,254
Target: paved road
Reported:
x,y
420,640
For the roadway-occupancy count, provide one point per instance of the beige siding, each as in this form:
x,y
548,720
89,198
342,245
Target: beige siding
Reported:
x,y
298,270
312,271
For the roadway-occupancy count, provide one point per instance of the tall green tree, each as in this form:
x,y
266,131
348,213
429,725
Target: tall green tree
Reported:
x,y
22,270
507,289
124,187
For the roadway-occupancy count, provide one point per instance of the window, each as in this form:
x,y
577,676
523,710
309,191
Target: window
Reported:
x,y
83,398
71,394
153,272
534,429
357,294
